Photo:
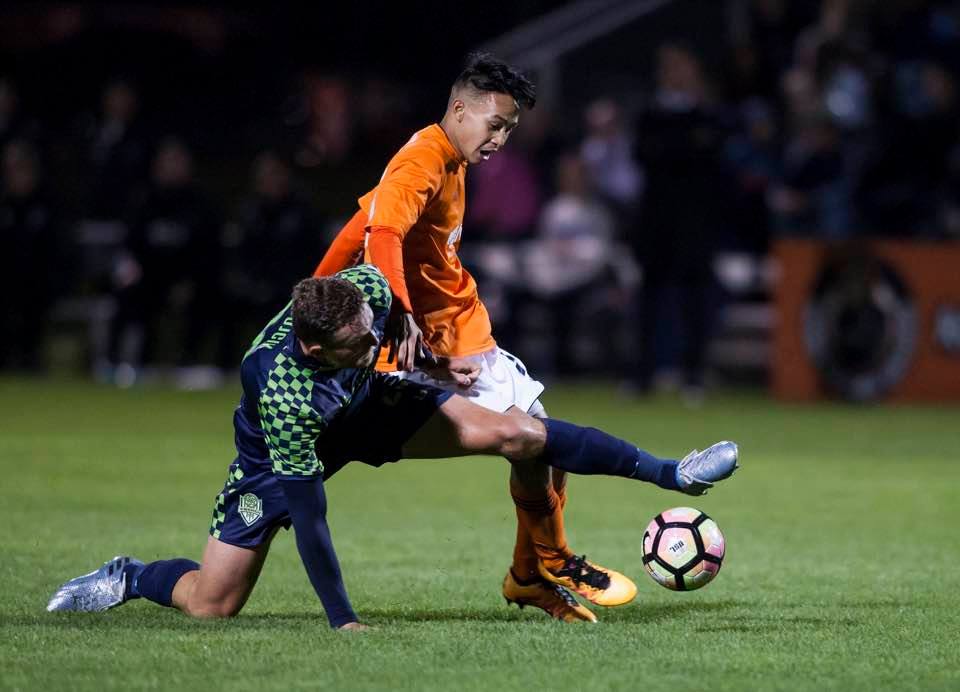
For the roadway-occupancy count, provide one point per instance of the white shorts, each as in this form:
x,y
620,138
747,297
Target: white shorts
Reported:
x,y
503,382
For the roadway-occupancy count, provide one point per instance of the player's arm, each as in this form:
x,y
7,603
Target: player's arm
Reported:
x,y
346,250
291,433
307,504
411,180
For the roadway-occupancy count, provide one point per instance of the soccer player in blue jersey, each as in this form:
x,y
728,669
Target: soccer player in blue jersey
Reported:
x,y
310,401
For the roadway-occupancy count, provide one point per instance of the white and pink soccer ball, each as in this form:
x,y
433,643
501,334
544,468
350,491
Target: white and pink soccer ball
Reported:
x,y
683,549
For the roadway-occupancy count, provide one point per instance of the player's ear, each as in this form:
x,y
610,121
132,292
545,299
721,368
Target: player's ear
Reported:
x,y
315,351
459,109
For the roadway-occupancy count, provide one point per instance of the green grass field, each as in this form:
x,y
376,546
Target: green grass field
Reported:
x,y
842,568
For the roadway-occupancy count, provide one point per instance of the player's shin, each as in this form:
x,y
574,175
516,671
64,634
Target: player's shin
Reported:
x,y
157,580
524,565
541,519
588,451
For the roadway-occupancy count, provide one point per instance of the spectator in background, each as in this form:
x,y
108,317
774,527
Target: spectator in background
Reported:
x,y
814,196
762,34
505,197
607,151
170,271
328,121
29,266
829,107
270,248
117,151
903,182
753,158
572,259
680,140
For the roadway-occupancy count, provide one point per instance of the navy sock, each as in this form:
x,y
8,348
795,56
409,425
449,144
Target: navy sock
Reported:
x,y
132,571
156,580
588,451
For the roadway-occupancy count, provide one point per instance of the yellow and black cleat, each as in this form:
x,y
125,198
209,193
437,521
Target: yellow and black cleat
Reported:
x,y
599,585
554,600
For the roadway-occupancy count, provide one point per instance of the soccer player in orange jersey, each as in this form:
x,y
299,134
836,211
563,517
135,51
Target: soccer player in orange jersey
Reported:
x,y
410,227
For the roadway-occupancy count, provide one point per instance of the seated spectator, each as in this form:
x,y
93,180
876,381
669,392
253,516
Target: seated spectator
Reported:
x,y
607,152
571,261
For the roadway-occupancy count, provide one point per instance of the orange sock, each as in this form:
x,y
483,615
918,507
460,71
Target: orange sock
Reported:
x,y
562,496
524,556
542,518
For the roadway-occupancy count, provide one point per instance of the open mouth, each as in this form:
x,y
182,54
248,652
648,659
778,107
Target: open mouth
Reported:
x,y
487,153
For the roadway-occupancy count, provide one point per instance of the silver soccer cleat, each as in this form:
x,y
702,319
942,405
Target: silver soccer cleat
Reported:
x,y
102,589
700,470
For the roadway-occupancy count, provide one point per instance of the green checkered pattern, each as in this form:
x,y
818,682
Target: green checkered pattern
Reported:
x,y
290,423
219,505
374,285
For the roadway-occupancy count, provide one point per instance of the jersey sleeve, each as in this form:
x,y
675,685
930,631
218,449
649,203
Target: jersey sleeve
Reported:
x,y
412,178
346,249
294,412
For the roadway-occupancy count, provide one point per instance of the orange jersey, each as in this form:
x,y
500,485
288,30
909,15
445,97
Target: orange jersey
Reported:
x,y
421,196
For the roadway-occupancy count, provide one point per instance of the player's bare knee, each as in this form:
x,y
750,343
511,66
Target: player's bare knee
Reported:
x,y
520,439
205,607
214,610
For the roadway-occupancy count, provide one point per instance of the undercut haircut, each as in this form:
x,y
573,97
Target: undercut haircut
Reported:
x,y
322,306
485,74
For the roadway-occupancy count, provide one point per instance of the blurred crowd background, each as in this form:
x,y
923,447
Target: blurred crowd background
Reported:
x,y
169,174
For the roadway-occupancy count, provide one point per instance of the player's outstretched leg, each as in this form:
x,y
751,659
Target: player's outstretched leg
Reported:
x,y
555,600
590,451
461,427
101,589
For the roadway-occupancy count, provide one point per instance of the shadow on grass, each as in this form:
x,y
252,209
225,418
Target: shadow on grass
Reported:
x,y
643,614
711,616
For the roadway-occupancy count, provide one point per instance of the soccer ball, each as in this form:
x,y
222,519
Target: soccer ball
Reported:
x,y
683,549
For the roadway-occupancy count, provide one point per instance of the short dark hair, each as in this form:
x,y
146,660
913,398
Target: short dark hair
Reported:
x,y
484,73
321,306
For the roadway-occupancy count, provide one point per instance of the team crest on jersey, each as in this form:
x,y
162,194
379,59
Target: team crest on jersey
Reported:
x,y
250,508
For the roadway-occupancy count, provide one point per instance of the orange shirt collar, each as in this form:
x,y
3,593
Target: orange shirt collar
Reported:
x,y
449,149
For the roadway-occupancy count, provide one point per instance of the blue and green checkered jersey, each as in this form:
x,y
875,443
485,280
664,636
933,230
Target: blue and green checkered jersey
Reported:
x,y
288,398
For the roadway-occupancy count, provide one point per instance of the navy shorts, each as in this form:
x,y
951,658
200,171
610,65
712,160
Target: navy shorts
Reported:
x,y
372,430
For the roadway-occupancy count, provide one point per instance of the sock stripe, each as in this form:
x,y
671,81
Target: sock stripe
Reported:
x,y
545,505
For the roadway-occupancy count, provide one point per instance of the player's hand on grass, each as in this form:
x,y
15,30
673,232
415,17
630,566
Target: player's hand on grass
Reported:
x,y
354,627
406,341
463,371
